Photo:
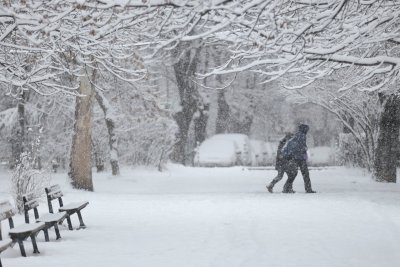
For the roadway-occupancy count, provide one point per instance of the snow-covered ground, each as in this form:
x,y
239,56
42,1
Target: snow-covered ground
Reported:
x,y
195,217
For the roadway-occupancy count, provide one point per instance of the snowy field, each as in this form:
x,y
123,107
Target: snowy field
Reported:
x,y
195,217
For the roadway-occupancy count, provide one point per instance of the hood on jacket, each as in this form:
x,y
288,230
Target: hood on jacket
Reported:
x,y
303,128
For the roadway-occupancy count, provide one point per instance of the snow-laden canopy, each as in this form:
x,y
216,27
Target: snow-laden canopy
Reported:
x,y
42,40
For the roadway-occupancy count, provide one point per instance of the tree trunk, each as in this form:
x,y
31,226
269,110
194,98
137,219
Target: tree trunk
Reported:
x,y
112,137
200,124
18,141
183,119
222,113
241,125
97,154
99,162
388,140
81,160
185,70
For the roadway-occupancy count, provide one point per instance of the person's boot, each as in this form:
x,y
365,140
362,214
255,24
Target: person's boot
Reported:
x,y
288,189
270,187
310,191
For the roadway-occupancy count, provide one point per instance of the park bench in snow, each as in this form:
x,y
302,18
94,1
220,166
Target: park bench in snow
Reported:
x,y
4,244
20,233
50,219
54,192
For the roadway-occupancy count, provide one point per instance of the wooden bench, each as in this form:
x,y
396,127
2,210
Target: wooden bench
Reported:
x,y
20,233
4,244
54,192
50,219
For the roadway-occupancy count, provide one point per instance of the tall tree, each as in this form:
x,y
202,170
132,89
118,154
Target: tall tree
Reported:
x,y
388,141
109,114
81,151
190,100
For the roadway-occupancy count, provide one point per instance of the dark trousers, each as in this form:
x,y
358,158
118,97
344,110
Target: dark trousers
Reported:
x,y
292,168
278,177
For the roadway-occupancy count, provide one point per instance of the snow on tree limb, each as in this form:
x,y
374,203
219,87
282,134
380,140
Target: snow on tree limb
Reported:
x,y
272,37
290,35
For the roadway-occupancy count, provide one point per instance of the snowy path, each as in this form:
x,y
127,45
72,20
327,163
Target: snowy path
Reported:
x,y
224,217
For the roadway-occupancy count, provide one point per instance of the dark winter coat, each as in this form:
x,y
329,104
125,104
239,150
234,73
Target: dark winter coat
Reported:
x,y
296,148
280,161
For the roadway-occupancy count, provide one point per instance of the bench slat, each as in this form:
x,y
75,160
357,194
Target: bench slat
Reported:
x,y
52,217
54,192
30,201
26,228
31,204
74,206
4,244
6,210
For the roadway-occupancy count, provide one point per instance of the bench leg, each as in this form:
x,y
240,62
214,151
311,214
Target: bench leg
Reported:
x,y
21,247
35,247
69,223
82,225
58,236
1,265
46,234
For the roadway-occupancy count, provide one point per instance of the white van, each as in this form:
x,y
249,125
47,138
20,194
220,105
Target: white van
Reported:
x,y
242,145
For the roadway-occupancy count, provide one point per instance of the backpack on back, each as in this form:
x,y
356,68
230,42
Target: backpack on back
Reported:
x,y
289,148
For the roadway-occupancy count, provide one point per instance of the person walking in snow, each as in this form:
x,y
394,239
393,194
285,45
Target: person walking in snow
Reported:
x,y
280,162
295,152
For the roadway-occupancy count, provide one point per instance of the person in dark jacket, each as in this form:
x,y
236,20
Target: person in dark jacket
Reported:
x,y
295,151
280,162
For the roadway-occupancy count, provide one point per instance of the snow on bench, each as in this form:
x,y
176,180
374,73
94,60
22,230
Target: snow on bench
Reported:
x,y
50,219
4,244
54,192
20,233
